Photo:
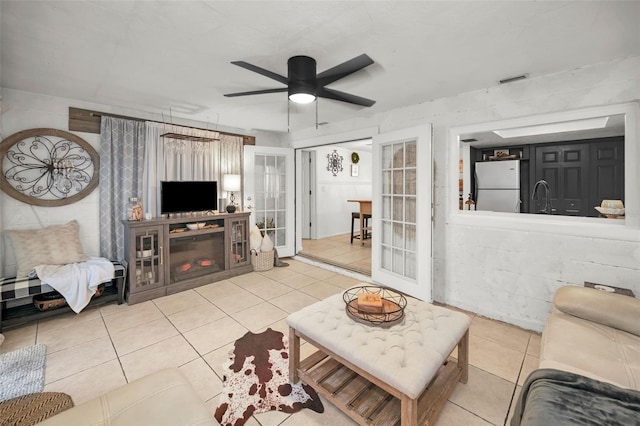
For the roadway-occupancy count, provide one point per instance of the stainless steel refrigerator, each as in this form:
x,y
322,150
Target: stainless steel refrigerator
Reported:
x,y
498,186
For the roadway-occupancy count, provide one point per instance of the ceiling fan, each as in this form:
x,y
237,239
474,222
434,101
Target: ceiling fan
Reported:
x,y
304,85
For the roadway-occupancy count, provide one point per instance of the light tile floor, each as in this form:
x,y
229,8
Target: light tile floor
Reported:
x,y
100,349
340,252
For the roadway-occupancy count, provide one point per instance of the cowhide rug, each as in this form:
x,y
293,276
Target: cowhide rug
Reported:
x,y
257,380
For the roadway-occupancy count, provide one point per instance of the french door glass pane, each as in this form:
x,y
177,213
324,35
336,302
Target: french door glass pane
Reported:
x,y
410,182
398,235
398,182
386,232
386,254
410,237
397,208
398,261
410,154
386,207
386,182
410,210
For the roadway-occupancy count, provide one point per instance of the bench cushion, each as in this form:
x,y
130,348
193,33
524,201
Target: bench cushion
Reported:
x,y
17,288
405,356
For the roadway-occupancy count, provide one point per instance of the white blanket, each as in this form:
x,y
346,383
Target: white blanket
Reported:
x,y
77,282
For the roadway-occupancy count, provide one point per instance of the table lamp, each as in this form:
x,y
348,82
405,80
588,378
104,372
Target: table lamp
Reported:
x,y
231,184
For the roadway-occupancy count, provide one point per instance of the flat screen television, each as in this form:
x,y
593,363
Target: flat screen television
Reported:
x,y
182,196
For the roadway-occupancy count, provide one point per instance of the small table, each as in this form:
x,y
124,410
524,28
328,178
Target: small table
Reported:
x,y
365,208
381,375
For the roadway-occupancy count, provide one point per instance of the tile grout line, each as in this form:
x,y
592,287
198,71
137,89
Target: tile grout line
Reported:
x,y
515,388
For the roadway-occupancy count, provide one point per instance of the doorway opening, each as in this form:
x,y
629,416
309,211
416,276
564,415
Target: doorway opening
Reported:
x,y
331,175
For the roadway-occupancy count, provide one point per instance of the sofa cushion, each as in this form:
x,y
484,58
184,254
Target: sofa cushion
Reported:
x,y
53,245
594,350
613,310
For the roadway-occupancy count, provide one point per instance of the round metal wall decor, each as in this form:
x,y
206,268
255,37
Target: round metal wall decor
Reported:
x,y
334,162
48,167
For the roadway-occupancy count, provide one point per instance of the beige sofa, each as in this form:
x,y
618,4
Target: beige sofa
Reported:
x,y
595,334
161,398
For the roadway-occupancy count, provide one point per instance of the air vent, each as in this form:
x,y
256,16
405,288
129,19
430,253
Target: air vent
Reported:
x,y
512,79
469,140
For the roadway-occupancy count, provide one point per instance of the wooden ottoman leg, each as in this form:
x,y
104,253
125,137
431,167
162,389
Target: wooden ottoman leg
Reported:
x,y
463,356
408,411
294,355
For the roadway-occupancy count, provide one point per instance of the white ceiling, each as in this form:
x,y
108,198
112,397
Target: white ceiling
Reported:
x,y
161,56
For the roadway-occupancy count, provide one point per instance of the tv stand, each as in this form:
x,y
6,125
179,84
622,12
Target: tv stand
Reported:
x,y
166,257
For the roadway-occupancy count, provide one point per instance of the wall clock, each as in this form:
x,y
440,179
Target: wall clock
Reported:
x,y
48,167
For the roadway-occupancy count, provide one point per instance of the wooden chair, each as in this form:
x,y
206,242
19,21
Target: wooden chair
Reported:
x,y
355,216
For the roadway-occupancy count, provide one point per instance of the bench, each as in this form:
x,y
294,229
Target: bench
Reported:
x,y
13,291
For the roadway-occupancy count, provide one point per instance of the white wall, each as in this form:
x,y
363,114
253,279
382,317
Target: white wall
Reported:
x,y
332,192
506,274
24,110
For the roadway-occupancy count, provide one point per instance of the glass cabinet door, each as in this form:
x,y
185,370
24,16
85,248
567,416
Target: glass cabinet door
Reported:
x,y
239,242
147,271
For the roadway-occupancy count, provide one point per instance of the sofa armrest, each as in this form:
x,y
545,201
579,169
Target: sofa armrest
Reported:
x,y
613,310
162,398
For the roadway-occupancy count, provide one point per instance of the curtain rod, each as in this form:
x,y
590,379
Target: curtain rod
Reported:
x,y
100,114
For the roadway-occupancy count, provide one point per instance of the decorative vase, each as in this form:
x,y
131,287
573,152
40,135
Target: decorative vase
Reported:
x,y
231,208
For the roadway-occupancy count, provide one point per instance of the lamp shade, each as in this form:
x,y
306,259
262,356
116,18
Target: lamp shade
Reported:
x,y
231,183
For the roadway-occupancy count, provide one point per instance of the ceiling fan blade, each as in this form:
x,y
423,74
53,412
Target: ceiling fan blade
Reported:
x,y
256,92
261,71
344,69
336,95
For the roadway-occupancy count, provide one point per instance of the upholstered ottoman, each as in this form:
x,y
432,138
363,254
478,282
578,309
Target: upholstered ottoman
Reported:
x,y
381,375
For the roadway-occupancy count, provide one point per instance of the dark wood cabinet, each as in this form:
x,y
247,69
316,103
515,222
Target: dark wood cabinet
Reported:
x,y
167,257
606,176
565,167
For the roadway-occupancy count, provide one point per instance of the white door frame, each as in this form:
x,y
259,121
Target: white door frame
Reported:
x,y
308,195
250,151
421,286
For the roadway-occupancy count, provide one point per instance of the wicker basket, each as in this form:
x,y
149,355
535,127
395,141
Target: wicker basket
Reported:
x,y
262,260
54,300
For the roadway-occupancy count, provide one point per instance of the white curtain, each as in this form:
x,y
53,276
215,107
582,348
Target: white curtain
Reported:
x,y
186,160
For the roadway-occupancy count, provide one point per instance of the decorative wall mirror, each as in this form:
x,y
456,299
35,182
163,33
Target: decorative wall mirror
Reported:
x,y
563,164
48,167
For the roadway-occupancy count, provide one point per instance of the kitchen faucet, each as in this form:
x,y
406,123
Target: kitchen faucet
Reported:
x,y
547,195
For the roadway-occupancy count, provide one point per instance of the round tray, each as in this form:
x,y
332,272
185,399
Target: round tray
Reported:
x,y
392,312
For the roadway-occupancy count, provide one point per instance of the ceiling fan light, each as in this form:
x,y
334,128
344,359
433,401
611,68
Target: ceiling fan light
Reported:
x,y
302,98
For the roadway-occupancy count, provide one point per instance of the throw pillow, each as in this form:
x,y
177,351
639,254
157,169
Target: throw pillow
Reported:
x,y
267,244
255,239
53,245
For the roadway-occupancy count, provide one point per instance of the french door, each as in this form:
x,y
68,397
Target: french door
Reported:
x,y
269,194
402,213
